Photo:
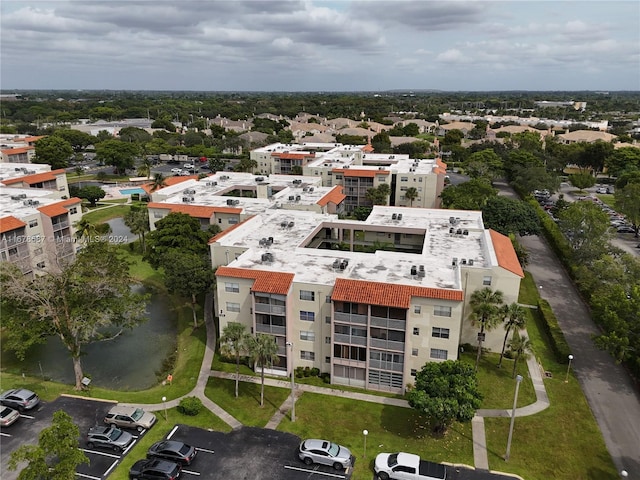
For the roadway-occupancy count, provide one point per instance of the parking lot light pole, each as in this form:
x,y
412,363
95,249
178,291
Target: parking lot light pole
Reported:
x,y
365,433
566,378
293,385
513,417
164,402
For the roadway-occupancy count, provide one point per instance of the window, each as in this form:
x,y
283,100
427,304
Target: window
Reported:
x,y
13,251
414,352
327,359
441,311
328,299
308,316
233,307
33,223
404,179
417,309
304,355
307,295
310,336
403,189
486,280
219,220
157,215
233,220
438,353
327,319
73,210
414,372
438,332
327,339
416,331
231,287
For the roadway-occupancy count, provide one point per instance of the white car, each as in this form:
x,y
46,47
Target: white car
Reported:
x,y
188,166
177,171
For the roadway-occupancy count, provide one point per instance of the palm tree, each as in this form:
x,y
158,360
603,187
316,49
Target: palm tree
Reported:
x,y
158,182
84,228
137,219
411,194
514,317
145,168
263,351
233,342
485,308
521,346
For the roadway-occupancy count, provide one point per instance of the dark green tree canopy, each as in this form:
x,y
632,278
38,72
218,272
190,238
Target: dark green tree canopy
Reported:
x,y
77,139
53,150
119,154
176,231
471,195
446,392
91,193
506,216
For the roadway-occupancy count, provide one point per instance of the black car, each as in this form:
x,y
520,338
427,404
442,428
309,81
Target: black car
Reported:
x,y
20,399
173,451
155,469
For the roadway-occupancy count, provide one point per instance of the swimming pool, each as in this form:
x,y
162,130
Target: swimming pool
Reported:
x,y
131,191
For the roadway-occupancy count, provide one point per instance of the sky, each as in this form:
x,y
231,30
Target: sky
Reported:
x,y
320,46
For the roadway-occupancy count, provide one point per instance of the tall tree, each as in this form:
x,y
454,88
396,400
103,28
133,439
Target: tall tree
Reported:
x,y
514,318
85,229
246,165
582,180
137,219
234,341
444,392
176,231
57,454
77,139
217,164
411,194
628,202
378,195
119,154
187,274
484,164
83,302
264,352
53,150
520,346
485,310
471,195
91,193
506,215
586,228
159,181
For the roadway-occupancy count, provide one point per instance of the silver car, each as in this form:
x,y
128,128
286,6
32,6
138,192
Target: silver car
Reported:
x,y
109,437
130,417
325,453
20,399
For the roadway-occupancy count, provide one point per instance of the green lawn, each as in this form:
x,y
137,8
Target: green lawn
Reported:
x,y
104,214
390,429
246,408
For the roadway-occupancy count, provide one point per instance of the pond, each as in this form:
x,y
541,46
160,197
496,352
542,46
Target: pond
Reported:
x,y
129,362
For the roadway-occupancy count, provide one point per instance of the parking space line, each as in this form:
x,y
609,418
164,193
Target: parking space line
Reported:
x,y
191,473
26,416
314,471
204,450
87,476
175,429
106,474
100,453
4,434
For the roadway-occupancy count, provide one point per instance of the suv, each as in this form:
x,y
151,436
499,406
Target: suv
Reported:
x,y
130,417
109,437
155,469
20,398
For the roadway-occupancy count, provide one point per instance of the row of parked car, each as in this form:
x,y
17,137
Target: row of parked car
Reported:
x,y
617,220
14,402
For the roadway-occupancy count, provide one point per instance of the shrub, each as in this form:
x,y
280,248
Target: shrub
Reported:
x,y
299,372
559,345
190,406
307,371
315,372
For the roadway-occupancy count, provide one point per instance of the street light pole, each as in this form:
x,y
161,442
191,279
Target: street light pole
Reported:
x,y
293,385
566,378
365,433
513,417
164,402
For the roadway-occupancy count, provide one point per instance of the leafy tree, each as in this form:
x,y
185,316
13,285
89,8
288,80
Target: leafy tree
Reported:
x,y
627,201
381,143
264,352
593,155
164,123
85,229
83,302
217,164
159,181
520,346
530,178
53,150
77,139
411,130
446,391
119,154
471,195
175,231
378,195
582,180
506,215
137,219
623,160
145,168
92,194
411,194
103,135
361,213
57,454
514,317
246,165
586,228
485,310
485,163
452,137
234,342
188,275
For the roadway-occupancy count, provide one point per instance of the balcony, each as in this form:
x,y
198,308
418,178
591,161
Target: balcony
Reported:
x,y
351,318
268,308
388,323
387,345
348,339
60,225
272,329
379,364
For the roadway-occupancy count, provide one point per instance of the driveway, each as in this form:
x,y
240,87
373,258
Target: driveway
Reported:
x,y
611,394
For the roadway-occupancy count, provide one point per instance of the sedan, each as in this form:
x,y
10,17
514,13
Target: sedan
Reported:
x,y
176,170
326,453
626,229
20,398
8,416
173,451
155,470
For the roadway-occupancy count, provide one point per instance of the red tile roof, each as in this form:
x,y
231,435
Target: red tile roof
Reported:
x,y
387,294
505,253
59,208
265,281
35,178
367,148
10,223
17,150
197,211
334,196
218,236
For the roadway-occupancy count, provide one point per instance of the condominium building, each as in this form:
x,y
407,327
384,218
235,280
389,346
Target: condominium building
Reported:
x,y
368,302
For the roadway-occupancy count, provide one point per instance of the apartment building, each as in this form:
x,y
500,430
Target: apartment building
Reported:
x,y
35,176
17,148
369,302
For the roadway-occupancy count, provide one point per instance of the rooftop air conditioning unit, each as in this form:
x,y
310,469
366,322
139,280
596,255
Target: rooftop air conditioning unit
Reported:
x,y
454,262
414,270
399,216
465,232
463,261
229,201
291,198
298,198
236,202
259,179
471,261
35,202
291,224
394,216
284,224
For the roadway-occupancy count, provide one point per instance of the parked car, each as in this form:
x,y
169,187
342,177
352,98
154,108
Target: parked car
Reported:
x,y
20,398
625,229
407,466
176,170
601,190
326,453
184,173
188,166
130,417
109,437
155,469
8,416
173,451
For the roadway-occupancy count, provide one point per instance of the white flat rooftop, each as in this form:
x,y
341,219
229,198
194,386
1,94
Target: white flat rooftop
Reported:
x,y
16,170
21,202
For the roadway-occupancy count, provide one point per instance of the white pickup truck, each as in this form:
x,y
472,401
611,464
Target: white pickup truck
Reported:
x,y
407,466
